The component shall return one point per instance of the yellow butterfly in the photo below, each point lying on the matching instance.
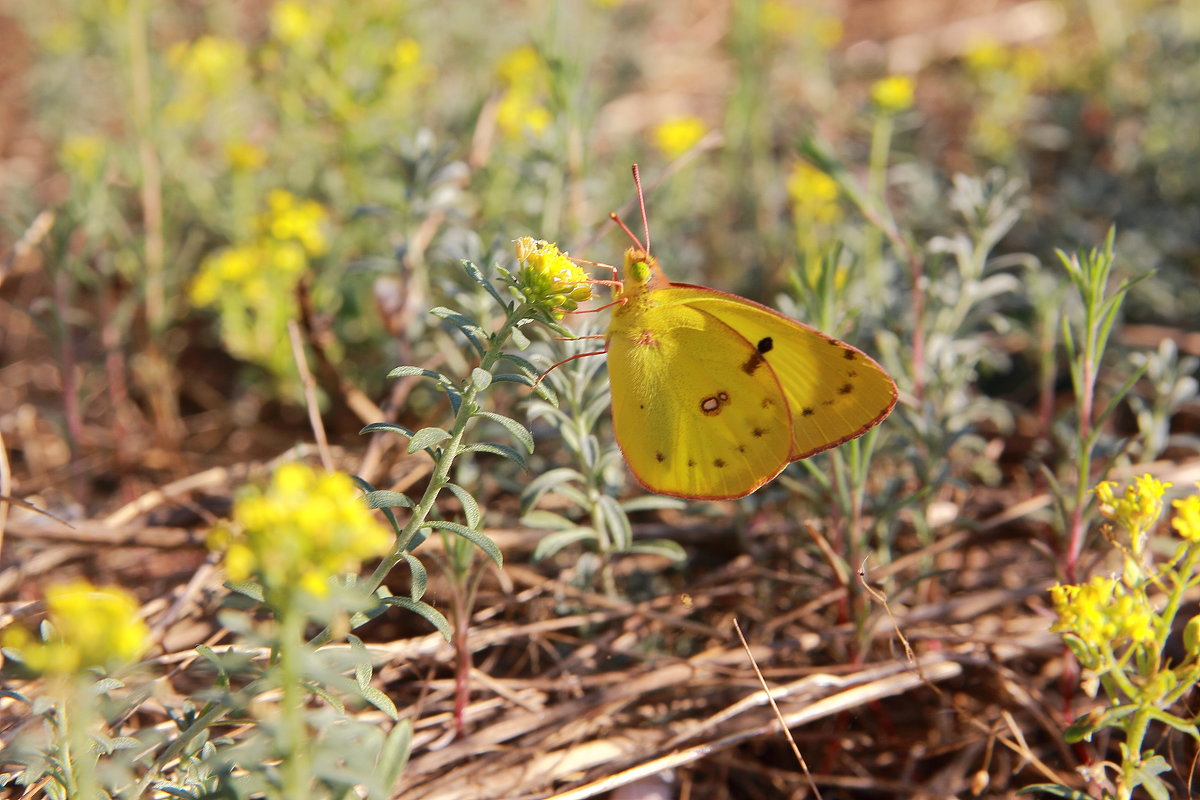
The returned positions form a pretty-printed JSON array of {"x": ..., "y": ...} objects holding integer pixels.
[{"x": 713, "y": 394}]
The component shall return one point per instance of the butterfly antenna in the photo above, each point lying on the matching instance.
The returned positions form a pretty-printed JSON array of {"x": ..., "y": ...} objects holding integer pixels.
[
  {"x": 613, "y": 216},
  {"x": 637, "y": 181}
]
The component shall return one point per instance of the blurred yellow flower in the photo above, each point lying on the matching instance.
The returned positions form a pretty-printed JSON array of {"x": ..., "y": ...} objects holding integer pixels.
[
  {"x": 82, "y": 155},
  {"x": 299, "y": 532},
  {"x": 210, "y": 60},
  {"x": 676, "y": 135},
  {"x": 1187, "y": 517},
  {"x": 523, "y": 67},
  {"x": 893, "y": 94},
  {"x": 90, "y": 627},
  {"x": 985, "y": 54},
  {"x": 518, "y": 114},
  {"x": 406, "y": 54},
  {"x": 780, "y": 19},
  {"x": 1028, "y": 64},
  {"x": 245, "y": 157},
  {"x": 814, "y": 195},
  {"x": 292, "y": 218},
  {"x": 291, "y": 22}
]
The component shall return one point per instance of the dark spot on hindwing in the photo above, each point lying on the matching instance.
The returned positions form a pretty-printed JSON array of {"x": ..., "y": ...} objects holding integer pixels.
[
  {"x": 765, "y": 345},
  {"x": 719, "y": 463},
  {"x": 711, "y": 406},
  {"x": 845, "y": 388},
  {"x": 659, "y": 457},
  {"x": 807, "y": 411}
]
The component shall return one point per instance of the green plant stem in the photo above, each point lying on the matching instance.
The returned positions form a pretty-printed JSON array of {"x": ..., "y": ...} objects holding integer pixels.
[
  {"x": 294, "y": 733},
  {"x": 881, "y": 145},
  {"x": 445, "y": 460}
]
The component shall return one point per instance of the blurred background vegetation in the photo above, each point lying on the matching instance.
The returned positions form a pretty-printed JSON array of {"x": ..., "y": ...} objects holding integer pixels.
[{"x": 205, "y": 172}]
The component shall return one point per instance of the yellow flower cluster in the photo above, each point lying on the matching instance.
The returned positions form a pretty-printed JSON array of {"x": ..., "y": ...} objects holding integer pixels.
[
  {"x": 290, "y": 232},
  {"x": 893, "y": 94},
  {"x": 814, "y": 195},
  {"x": 525, "y": 76},
  {"x": 1103, "y": 613},
  {"x": 1187, "y": 518},
  {"x": 1138, "y": 508},
  {"x": 676, "y": 135},
  {"x": 303, "y": 529},
  {"x": 82, "y": 155},
  {"x": 91, "y": 627},
  {"x": 549, "y": 279},
  {"x": 207, "y": 68}
]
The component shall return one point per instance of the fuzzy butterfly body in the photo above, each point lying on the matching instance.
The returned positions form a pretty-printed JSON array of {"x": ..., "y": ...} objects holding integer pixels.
[{"x": 713, "y": 395}]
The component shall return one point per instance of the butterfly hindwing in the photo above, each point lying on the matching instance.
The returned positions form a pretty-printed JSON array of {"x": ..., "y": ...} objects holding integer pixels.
[
  {"x": 697, "y": 410},
  {"x": 834, "y": 391}
]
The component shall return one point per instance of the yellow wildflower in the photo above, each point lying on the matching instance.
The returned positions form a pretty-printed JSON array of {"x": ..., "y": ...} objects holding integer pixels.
[
  {"x": 300, "y": 531},
  {"x": 893, "y": 94},
  {"x": 211, "y": 61},
  {"x": 985, "y": 55},
  {"x": 406, "y": 54},
  {"x": 781, "y": 20},
  {"x": 814, "y": 195},
  {"x": 676, "y": 135},
  {"x": 550, "y": 279},
  {"x": 1138, "y": 508},
  {"x": 523, "y": 67},
  {"x": 82, "y": 155},
  {"x": 1102, "y": 613},
  {"x": 1187, "y": 517},
  {"x": 90, "y": 627},
  {"x": 245, "y": 157},
  {"x": 519, "y": 113},
  {"x": 291, "y": 22},
  {"x": 292, "y": 218}
]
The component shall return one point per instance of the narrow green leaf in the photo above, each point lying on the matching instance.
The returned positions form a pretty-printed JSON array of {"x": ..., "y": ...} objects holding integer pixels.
[
  {"x": 386, "y": 427},
  {"x": 477, "y": 538},
  {"x": 420, "y": 578},
  {"x": 525, "y": 364},
  {"x": 423, "y": 609},
  {"x": 379, "y": 700},
  {"x": 618, "y": 523},
  {"x": 248, "y": 588},
  {"x": 426, "y": 438},
  {"x": 512, "y": 377},
  {"x": 1054, "y": 790},
  {"x": 393, "y": 756},
  {"x": 467, "y": 326},
  {"x": 514, "y": 428},
  {"x": 412, "y": 372},
  {"x": 386, "y": 498},
  {"x": 661, "y": 547},
  {"x": 550, "y": 544},
  {"x": 470, "y": 507},
  {"x": 519, "y": 339},
  {"x": 326, "y": 695},
  {"x": 551, "y": 480},
  {"x": 546, "y": 520},
  {"x": 497, "y": 450},
  {"x": 651, "y": 502},
  {"x": 477, "y": 275}
]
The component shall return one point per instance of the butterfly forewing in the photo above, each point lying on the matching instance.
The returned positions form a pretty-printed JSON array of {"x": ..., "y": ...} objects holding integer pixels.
[
  {"x": 696, "y": 410},
  {"x": 834, "y": 391}
]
